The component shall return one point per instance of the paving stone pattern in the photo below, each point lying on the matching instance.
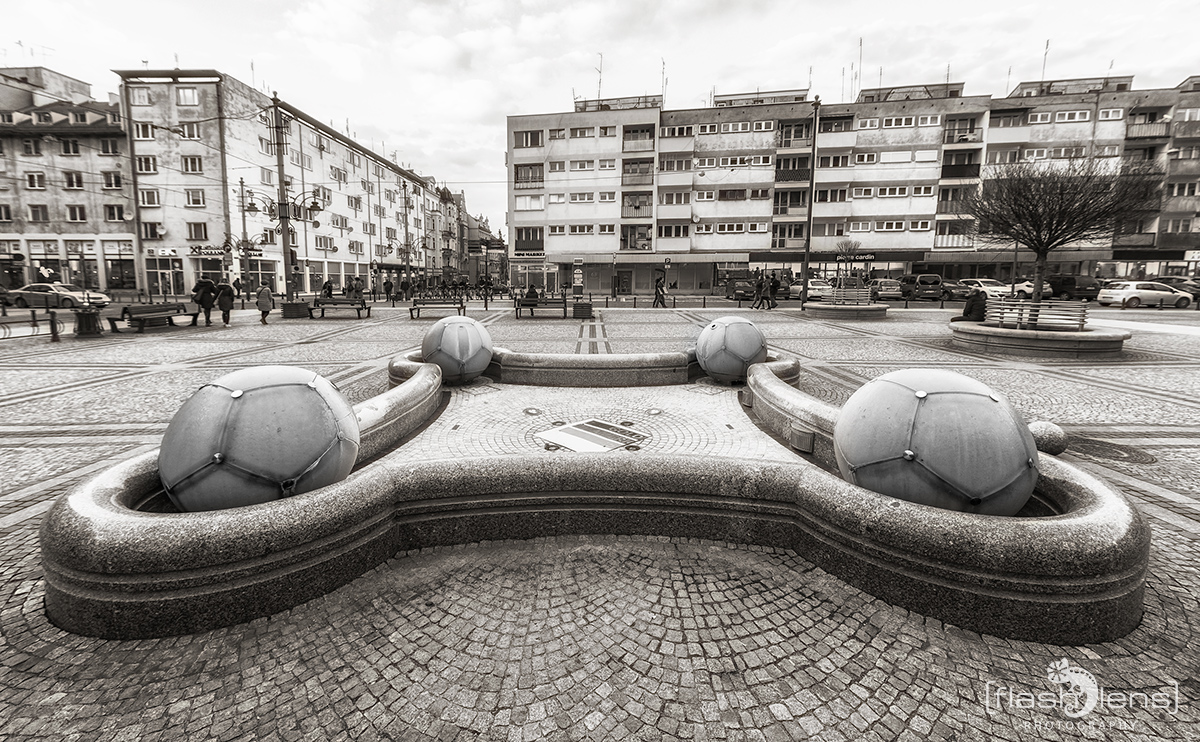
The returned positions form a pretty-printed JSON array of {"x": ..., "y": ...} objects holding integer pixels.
[{"x": 595, "y": 637}]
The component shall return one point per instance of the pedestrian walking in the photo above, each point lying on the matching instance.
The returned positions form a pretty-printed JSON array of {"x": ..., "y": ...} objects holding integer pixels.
[
  {"x": 225, "y": 297},
  {"x": 264, "y": 301},
  {"x": 358, "y": 288},
  {"x": 204, "y": 293},
  {"x": 327, "y": 289},
  {"x": 760, "y": 290},
  {"x": 660, "y": 293},
  {"x": 387, "y": 290},
  {"x": 773, "y": 289},
  {"x": 404, "y": 288}
]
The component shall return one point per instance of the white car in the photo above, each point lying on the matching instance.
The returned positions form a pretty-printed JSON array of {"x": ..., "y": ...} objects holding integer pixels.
[
  {"x": 65, "y": 295},
  {"x": 1136, "y": 293},
  {"x": 1025, "y": 289},
  {"x": 818, "y": 288},
  {"x": 990, "y": 286}
]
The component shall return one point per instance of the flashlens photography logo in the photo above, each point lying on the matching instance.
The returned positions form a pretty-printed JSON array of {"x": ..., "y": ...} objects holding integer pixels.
[{"x": 1075, "y": 693}]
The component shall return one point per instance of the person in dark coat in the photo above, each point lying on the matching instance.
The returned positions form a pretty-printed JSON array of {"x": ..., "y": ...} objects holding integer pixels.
[
  {"x": 225, "y": 297},
  {"x": 660, "y": 293},
  {"x": 405, "y": 286},
  {"x": 532, "y": 293},
  {"x": 760, "y": 292},
  {"x": 975, "y": 308},
  {"x": 357, "y": 292},
  {"x": 327, "y": 289},
  {"x": 204, "y": 293},
  {"x": 772, "y": 290},
  {"x": 264, "y": 301},
  {"x": 387, "y": 290}
]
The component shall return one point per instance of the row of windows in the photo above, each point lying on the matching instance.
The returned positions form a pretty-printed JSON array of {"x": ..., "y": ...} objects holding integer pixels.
[
  {"x": 74, "y": 213},
  {"x": 148, "y": 164},
  {"x": 1182, "y": 189},
  {"x": 69, "y": 147},
  {"x": 664, "y": 230},
  {"x": 72, "y": 180},
  {"x": 183, "y": 96},
  {"x": 149, "y": 197},
  {"x": 892, "y": 225}
]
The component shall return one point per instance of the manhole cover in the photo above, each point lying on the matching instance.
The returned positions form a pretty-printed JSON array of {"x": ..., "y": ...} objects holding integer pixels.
[
  {"x": 1096, "y": 449},
  {"x": 592, "y": 435}
]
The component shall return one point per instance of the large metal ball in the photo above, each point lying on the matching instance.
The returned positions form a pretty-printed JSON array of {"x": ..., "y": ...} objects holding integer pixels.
[
  {"x": 257, "y": 435},
  {"x": 937, "y": 438},
  {"x": 460, "y": 346},
  {"x": 728, "y": 346}
]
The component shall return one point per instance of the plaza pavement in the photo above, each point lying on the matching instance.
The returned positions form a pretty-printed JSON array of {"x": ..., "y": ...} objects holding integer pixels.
[{"x": 595, "y": 637}]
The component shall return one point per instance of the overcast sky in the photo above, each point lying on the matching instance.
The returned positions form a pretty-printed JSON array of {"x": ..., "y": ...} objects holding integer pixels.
[{"x": 433, "y": 80}]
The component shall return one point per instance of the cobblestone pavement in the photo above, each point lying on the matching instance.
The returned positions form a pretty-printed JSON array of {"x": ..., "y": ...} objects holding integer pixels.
[{"x": 595, "y": 637}]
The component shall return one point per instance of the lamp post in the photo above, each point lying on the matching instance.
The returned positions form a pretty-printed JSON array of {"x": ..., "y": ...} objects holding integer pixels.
[{"x": 812, "y": 182}]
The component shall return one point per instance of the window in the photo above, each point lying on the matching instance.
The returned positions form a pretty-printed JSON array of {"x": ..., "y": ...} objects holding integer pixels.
[
  {"x": 6, "y": 118},
  {"x": 1181, "y": 189},
  {"x": 114, "y": 213},
  {"x": 760, "y": 193},
  {"x": 732, "y": 194},
  {"x": 756, "y": 227},
  {"x": 1035, "y": 154},
  {"x": 706, "y": 129},
  {"x": 112, "y": 179},
  {"x": 557, "y": 229},
  {"x": 731, "y": 228},
  {"x": 152, "y": 231},
  {"x": 889, "y": 226},
  {"x": 675, "y": 131},
  {"x": 558, "y": 166},
  {"x": 582, "y": 198},
  {"x": 1183, "y": 114},
  {"x": 367, "y": 186},
  {"x": 830, "y": 195},
  {"x": 530, "y": 203},
  {"x": 143, "y": 131},
  {"x": 764, "y": 126},
  {"x": 1006, "y": 120},
  {"x": 5, "y": 213},
  {"x": 706, "y": 195},
  {"x": 324, "y": 243},
  {"x": 892, "y": 191},
  {"x": 606, "y": 229},
  {"x": 39, "y": 213},
  {"x": 581, "y": 132},
  {"x": 581, "y": 229},
  {"x": 267, "y": 176},
  {"x": 865, "y": 158},
  {"x": 527, "y": 139},
  {"x": 369, "y": 227},
  {"x": 109, "y": 147},
  {"x": 868, "y": 123},
  {"x": 831, "y": 125},
  {"x": 675, "y": 198},
  {"x": 76, "y": 214},
  {"x": 1169, "y": 225},
  {"x": 139, "y": 96},
  {"x": 608, "y": 131},
  {"x": 43, "y": 117},
  {"x": 354, "y": 202},
  {"x": 608, "y": 164},
  {"x": 1068, "y": 116},
  {"x": 608, "y": 196},
  {"x": 303, "y": 160},
  {"x": 1109, "y": 150},
  {"x": 35, "y": 181},
  {"x": 356, "y": 161},
  {"x": 1003, "y": 156},
  {"x": 860, "y": 226},
  {"x": 1112, "y": 114},
  {"x": 895, "y": 122},
  {"x": 70, "y": 146},
  {"x": 577, "y": 165},
  {"x": 703, "y": 162},
  {"x": 148, "y": 197},
  {"x": 1064, "y": 152},
  {"x": 833, "y": 161},
  {"x": 187, "y": 97},
  {"x": 730, "y": 127},
  {"x": 925, "y": 190},
  {"x": 736, "y": 161},
  {"x": 32, "y": 147},
  {"x": 760, "y": 160},
  {"x": 558, "y": 134},
  {"x": 673, "y": 230},
  {"x": 193, "y": 164},
  {"x": 865, "y": 192},
  {"x": 147, "y": 164},
  {"x": 932, "y": 120},
  {"x": 194, "y": 196},
  {"x": 704, "y": 229},
  {"x": 1039, "y": 118},
  {"x": 558, "y": 198},
  {"x": 530, "y": 175},
  {"x": 674, "y": 164},
  {"x": 73, "y": 180}
]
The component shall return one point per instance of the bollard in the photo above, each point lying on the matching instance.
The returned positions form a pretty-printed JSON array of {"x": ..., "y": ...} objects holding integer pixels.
[
  {"x": 33, "y": 318},
  {"x": 704, "y": 302},
  {"x": 53, "y": 327},
  {"x": 1160, "y": 304},
  {"x": 635, "y": 302},
  {"x": 606, "y": 302},
  {"x": 672, "y": 302}
]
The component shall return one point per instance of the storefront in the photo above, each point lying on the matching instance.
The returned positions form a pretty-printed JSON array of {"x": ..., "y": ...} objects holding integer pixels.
[
  {"x": 13, "y": 264},
  {"x": 120, "y": 269},
  {"x": 48, "y": 264},
  {"x": 164, "y": 272},
  {"x": 83, "y": 262}
]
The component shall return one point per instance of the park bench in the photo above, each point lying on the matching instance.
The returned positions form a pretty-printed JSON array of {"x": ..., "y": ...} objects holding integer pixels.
[
  {"x": 140, "y": 314},
  {"x": 345, "y": 302},
  {"x": 522, "y": 302},
  {"x": 456, "y": 303},
  {"x": 1025, "y": 314}
]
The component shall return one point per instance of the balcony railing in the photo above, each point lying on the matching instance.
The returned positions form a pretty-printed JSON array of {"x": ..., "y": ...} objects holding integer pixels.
[
  {"x": 1139, "y": 239},
  {"x": 953, "y": 240},
  {"x": 960, "y": 171},
  {"x": 1157, "y": 130},
  {"x": 637, "y": 212},
  {"x": 790, "y": 210},
  {"x": 1188, "y": 240},
  {"x": 529, "y": 183},
  {"x": 950, "y": 207},
  {"x": 791, "y": 176},
  {"x": 793, "y": 142},
  {"x": 962, "y": 136},
  {"x": 635, "y": 179},
  {"x": 637, "y": 145},
  {"x": 1187, "y": 129}
]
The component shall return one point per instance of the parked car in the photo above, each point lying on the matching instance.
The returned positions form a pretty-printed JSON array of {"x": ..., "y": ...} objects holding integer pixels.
[
  {"x": 885, "y": 288},
  {"x": 64, "y": 295},
  {"x": 1024, "y": 289},
  {"x": 990, "y": 286},
  {"x": 1136, "y": 293},
  {"x": 1070, "y": 288},
  {"x": 921, "y": 286},
  {"x": 739, "y": 289},
  {"x": 847, "y": 282},
  {"x": 1183, "y": 283},
  {"x": 955, "y": 290},
  {"x": 818, "y": 288}
]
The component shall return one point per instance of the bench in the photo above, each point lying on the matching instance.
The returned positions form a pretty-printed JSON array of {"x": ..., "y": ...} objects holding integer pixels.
[
  {"x": 333, "y": 302},
  {"x": 140, "y": 314},
  {"x": 522, "y": 302},
  {"x": 1025, "y": 314},
  {"x": 456, "y": 303}
]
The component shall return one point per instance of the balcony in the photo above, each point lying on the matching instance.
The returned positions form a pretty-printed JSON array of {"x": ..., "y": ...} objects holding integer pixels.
[
  {"x": 675, "y": 211},
  {"x": 1157, "y": 130},
  {"x": 962, "y": 136},
  {"x": 949, "y": 207},
  {"x": 1184, "y": 167},
  {"x": 1186, "y": 240},
  {"x": 1141, "y": 239},
  {"x": 953, "y": 240},
  {"x": 790, "y": 211},
  {"x": 520, "y": 184},
  {"x": 791, "y": 176},
  {"x": 637, "y": 179},
  {"x": 793, "y": 142},
  {"x": 1187, "y": 129},
  {"x": 637, "y": 145},
  {"x": 960, "y": 171},
  {"x": 637, "y": 212}
]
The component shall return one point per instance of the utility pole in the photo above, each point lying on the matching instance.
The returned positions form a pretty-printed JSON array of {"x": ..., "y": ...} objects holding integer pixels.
[
  {"x": 283, "y": 205},
  {"x": 244, "y": 245},
  {"x": 812, "y": 193}
]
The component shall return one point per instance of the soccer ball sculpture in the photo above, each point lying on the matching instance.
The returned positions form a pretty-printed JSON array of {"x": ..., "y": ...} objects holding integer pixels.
[
  {"x": 257, "y": 435},
  {"x": 460, "y": 346},
  {"x": 728, "y": 347},
  {"x": 937, "y": 438}
]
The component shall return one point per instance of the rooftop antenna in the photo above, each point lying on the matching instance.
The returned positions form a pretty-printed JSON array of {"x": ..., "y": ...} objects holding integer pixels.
[
  {"x": 860, "y": 67},
  {"x": 176, "y": 60},
  {"x": 253, "y": 82},
  {"x": 881, "y": 75},
  {"x": 1044, "y": 55},
  {"x": 1008, "y": 81},
  {"x": 599, "y": 75},
  {"x": 664, "y": 81},
  {"x": 810, "y": 77},
  {"x": 843, "y": 100},
  {"x": 145, "y": 64}
]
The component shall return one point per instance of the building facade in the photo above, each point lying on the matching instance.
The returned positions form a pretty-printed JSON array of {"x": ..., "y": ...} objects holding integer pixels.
[{"x": 629, "y": 191}]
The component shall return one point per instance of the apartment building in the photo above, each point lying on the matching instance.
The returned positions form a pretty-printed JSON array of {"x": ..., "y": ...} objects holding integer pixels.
[
  {"x": 627, "y": 191},
  {"x": 66, "y": 204}
]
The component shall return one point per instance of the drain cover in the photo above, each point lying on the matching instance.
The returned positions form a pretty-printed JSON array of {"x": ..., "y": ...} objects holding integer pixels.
[{"x": 592, "y": 435}]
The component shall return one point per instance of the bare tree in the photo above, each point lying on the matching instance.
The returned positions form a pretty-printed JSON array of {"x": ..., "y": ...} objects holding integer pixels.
[
  {"x": 847, "y": 249},
  {"x": 1048, "y": 204}
]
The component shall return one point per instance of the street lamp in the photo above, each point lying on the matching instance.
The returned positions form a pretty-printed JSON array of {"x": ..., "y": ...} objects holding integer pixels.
[{"x": 305, "y": 204}]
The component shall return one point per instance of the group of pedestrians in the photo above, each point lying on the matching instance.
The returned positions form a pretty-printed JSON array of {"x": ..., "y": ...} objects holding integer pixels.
[
  {"x": 207, "y": 294},
  {"x": 766, "y": 292}
]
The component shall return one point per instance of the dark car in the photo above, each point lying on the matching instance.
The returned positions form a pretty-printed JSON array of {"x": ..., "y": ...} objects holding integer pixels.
[
  {"x": 1070, "y": 288},
  {"x": 954, "y": 291},
  {"x": 739, "y": 288},
  {"x": 921, "y": 286}
]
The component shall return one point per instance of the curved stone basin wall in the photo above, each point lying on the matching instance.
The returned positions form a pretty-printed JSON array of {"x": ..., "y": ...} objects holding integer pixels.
[{"x": 114, "y": 572}]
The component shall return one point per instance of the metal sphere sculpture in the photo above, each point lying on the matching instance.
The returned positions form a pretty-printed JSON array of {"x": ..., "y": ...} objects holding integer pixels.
[
  {"x": 460, "y": 346},
  {"x": 728, "y": 346},
  {"x": 937, "y": 438},
  {"x": 257, "y": 435}
]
